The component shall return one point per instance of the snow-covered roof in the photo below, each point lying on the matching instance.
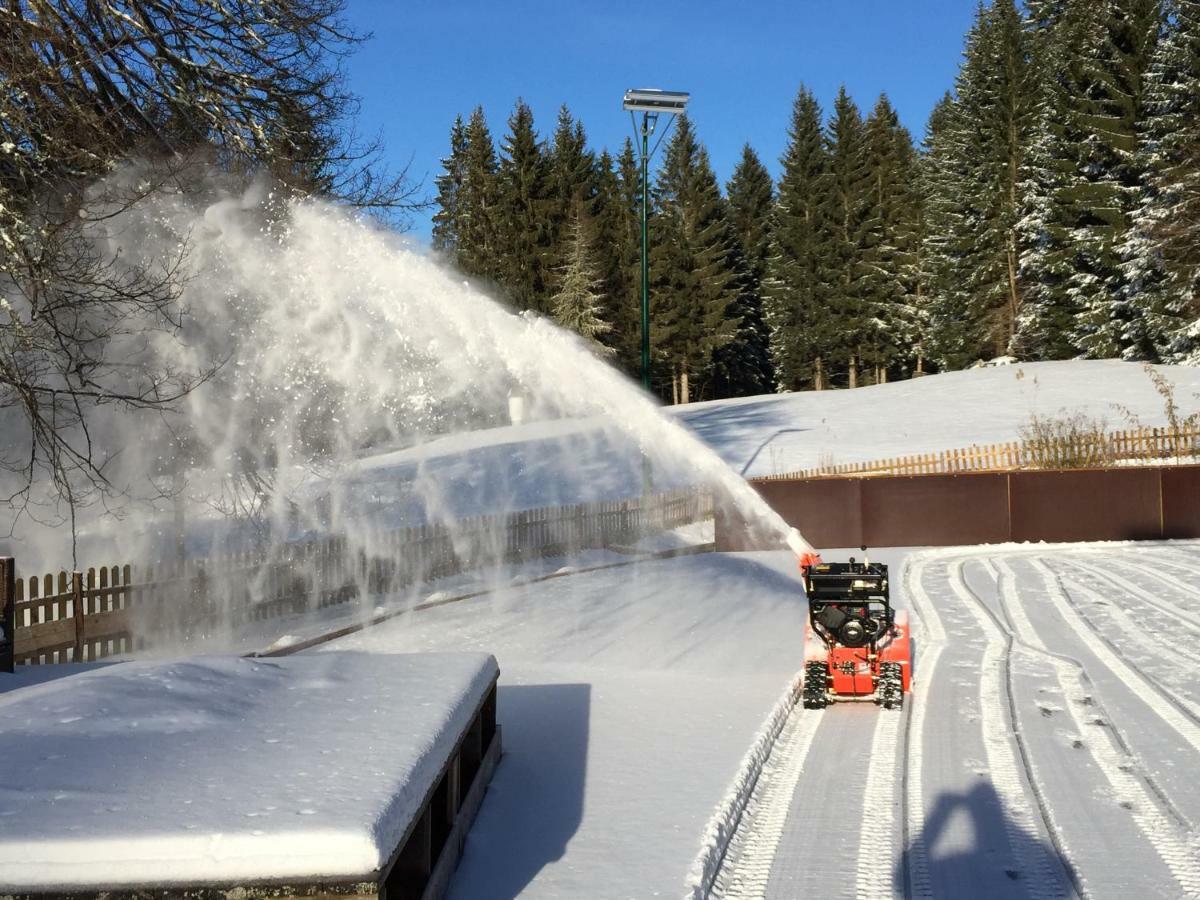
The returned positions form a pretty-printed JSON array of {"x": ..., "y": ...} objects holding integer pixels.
[{"x": 221, "y": 769}]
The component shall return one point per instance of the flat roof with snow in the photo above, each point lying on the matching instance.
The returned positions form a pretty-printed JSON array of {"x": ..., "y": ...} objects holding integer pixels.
[{"x": 226, "y": 770}]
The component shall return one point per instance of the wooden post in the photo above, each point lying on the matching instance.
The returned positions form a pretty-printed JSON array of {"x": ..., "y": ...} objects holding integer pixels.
[
  {"x": 78, "y": 612},
  {"x": 8, "y": 612}
]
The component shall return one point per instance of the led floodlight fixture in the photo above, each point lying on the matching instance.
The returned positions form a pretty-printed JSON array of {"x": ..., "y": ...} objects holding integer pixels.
[{"x": 653, "y": 100}]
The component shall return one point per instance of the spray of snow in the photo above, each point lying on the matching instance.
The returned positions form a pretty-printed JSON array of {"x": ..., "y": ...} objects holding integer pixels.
[{"x": 334, "y": 339}]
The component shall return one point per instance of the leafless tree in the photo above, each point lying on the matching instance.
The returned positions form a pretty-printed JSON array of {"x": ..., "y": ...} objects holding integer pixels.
[{"x": 245, "y": 86}]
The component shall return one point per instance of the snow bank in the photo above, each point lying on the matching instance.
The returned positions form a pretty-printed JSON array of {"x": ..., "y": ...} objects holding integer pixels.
[
  {"x": 725, "y": 820},
  {"x": 222, "y": 770}
]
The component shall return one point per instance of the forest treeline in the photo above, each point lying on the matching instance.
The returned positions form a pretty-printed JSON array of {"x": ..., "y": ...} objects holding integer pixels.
[{"x": 1050, "y": 211}]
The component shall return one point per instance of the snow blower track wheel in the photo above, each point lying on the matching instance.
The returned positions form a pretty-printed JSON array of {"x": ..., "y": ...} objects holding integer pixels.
[
  {"x": 889, "y": 691},
  {"x": 816, "y": 685}
]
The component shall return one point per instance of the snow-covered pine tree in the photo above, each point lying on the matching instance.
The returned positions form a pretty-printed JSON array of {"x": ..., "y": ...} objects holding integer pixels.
[
  {"x": 478, "y": 202},
  {"x": 891, "y": 260},
  {"x": 526, "y": 201},
  {"x": 446, "y": 220},
  {"x": 572, "y": 181},
  {"x": 578, "y": 304},
  {"x": 616, "y": 251},
  {"x": 1086, "y": 176},
  {"x": 743, "y": 366},
  {"x": 1162, "y": 248},
  {"x": 977, "y": 154},
  {"x": 692, "y": 270},
  {"x": 850, "y": 234},
  {"x": 798, "y": 321}
]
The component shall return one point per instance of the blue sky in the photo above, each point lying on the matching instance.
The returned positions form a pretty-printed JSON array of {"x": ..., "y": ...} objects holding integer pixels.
[{"x": 742, "y": 63}]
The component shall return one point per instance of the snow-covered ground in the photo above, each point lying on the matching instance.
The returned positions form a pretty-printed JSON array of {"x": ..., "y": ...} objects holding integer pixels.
[{"x": 1049, "y": 748}]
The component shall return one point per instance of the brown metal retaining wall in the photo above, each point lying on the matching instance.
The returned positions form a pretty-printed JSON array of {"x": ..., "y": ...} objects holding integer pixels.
[{"x": 1136, "y": 503}]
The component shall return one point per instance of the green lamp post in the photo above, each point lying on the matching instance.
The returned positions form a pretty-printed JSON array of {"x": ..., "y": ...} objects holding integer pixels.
[{"x": 651, "y": 103}]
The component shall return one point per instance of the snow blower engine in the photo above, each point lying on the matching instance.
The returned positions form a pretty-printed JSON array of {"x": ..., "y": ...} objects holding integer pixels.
[{"x": 866, "y": 652}]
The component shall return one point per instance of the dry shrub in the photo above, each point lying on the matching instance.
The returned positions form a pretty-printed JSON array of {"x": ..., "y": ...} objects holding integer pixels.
[
  {"x": 1181, "y": 429},
  {"x": 1066, "y": 441}
]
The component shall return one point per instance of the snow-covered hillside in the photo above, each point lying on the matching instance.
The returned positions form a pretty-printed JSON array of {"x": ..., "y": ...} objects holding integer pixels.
[{"x": 786, "y": 432}]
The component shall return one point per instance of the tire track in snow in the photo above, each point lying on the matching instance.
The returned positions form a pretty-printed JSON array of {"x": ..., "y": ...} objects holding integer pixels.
[
  {"x": 1161, "y": 648},
  {"x": 1175, "y": 849},
  {"x": 1190, "y": 621},
  {"x": 749, "y": 876},
  {"x": 1005, "y": 763},
  {"x": 874, "y": 881},
  {"x": 1167, "y": 710},
  {"x": 915, "y": 852}
]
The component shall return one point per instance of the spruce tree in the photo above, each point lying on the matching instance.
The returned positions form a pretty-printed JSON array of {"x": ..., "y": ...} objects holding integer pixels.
[
  {"x": 978, "y": 196},
  {"x": 892, "y": 257},
  {"x": 693, "y": 275},
  {"x": 446, "y": 221},
  {"x": 478, "y": 203},
  {"x": 1162, "y": 248},
  {"x": 578, "y": 304},
  {"x": 615, "y": 255},
  {"x": 743, "y": 367},
  {"x": 799, "y": 322},
  {"x": 1087, "y": 175},
  {"x": 851, "y": 233},
  {"x": 526, "y": 227},
  {"x": 950, "y": 332}
]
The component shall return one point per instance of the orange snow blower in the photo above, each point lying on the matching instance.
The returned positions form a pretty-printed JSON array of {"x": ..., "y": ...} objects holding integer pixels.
[{"x": 866, "y": 652}]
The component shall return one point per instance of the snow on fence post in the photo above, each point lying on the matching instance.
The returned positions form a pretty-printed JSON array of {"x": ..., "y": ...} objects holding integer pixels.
[{"x": 8, "y": 612}]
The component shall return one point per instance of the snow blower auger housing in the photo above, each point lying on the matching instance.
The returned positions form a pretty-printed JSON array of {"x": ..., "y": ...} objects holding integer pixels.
[{"x": 865, "y": 652}]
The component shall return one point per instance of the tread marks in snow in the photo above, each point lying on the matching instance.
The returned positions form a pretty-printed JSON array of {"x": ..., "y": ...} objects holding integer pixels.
[
  {"x": 915, "y": 860},
  {"x": 1045, "y": 877},
  {"x": 1175, "y": 716},
  {"x": 1177, "y": 614},
  {"x": 749, "y": 873},
  {"x": 1161, "y": 833}
]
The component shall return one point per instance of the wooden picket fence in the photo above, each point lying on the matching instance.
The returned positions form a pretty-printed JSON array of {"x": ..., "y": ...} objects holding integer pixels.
[
  {"x": 1146, "y": 445},
  {"x": 83, "y": 616}
]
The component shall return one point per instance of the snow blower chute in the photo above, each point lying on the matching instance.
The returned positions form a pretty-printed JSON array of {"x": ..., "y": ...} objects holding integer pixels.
[{"x": 866, "y": 652}]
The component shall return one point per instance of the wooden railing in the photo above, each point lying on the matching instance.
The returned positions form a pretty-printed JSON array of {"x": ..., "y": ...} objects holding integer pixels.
[
  {"x": 81, "y": 616},
  {"x": 1147, "y": 445}
]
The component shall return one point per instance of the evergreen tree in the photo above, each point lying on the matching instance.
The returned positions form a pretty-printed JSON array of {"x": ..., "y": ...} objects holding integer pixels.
[
  {"x": 694, "y": 280},
  {"x": 851, "y": 234},
  {"x": 573, "y": 182},
  {"x": 1162, "y": 248},
  {"x": 1087, "y": 170},
  {"x": 798, "y": 321},
  {"x": 743, "y": 367},
  {"x": 446, "y": 221},
  {"x": 526, "y": 203},
  {"x": 579, "y": 304},
  {"x": 478, "y": 203},
  {"x": 616, "y": 249},
  {"x": 978, "y": 197},
  {"x": 625, "y": 308},
  {"x": 572, "y": 168},
  {"x": 892, "y": 260},
  {"x": 950, "y": 331}
]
